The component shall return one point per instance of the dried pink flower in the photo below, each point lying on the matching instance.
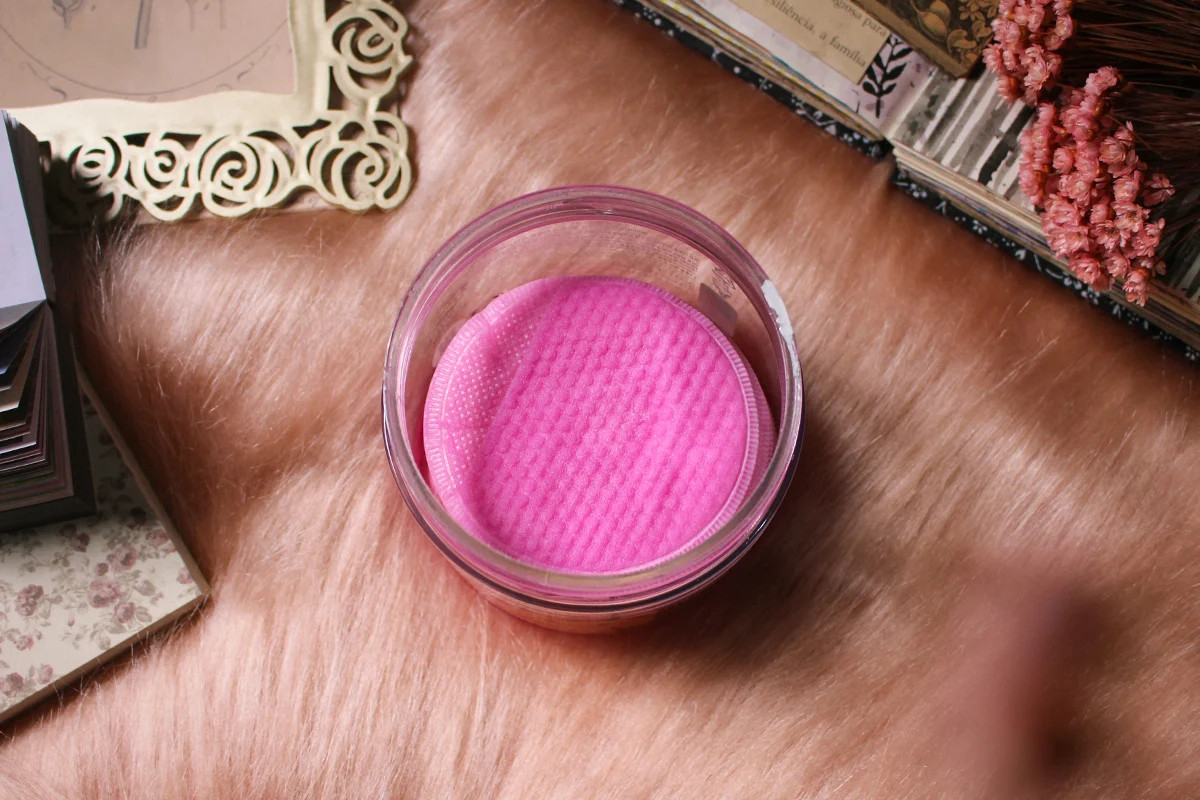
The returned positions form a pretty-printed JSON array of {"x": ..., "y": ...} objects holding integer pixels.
[
  {"x": 1137, "y": 287},
  {"x": 1078, "y": 186},
  {"x": 1009, "y": 88},
  {"x": 1127, "y": 187},
  {"x": 1100, "y": 212},
  {"x": 1062, "y": 213},
  {"x": 1105, "y": 234},
  {"x": 1078, "y": 162},
  {"x": 1131, "y": 163},
  {"x": 1008, "y": 33},
  {"x": 1157, "y": 190},
  {"x": 1033, "y": 183},
  {"x": 1113, "y": 150},
  {"x": 1064, "y": 29},
  {"x": 1117, "y": 264},
  {"x": 1064, "y": 158},
  {"x": 1037, "y": 72},
  {"x": 1129, "y": 217},
  {"x": 1011, "y": 58},
  {"x": 1087, "y": 160},
  {"x": 1102, "y": 80},
  {"x": 993, "y": 57},
  {"x": 1047, "y": 115},
  {"x": 1088, "y": 269},
  {"x": 1030, "y": 17},
  {"x": 1081, "y": 125},
  {"x": 1040, "y": 135},
  {"x": 1067, "y": 241},
  {"x": 1146, "y": 240}
]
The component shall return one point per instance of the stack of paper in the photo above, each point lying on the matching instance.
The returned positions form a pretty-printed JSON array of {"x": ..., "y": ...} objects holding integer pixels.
[{"x": 44, "y": 469}]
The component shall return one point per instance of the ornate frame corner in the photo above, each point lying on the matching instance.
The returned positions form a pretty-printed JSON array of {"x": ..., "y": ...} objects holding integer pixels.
[{"x": 232, "y": 153}]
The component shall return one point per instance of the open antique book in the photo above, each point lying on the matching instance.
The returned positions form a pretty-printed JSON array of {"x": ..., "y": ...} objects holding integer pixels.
[{"x": 954, "y": 140}]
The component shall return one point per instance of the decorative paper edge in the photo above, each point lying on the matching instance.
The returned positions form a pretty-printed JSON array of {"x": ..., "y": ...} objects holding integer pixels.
[{"x": 229, "y": 154}]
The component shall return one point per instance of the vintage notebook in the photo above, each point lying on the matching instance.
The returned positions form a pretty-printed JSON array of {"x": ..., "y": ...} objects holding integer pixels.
[
  {"x": 950, "y": 33},
  {"x": 856, "y": 110},
  {"x": 88, "y": 561},
  {"x": 955, "y": 142}
]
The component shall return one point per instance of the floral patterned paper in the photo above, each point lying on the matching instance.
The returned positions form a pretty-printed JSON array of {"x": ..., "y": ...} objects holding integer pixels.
[{"x": 72, "y": 593}]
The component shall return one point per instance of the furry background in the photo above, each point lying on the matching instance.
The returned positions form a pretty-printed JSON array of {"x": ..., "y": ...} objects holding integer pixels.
[{"x": 984, "y": 578}]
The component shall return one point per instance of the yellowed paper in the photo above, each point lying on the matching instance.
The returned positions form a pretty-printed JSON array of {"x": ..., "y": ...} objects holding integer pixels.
[
  {"x": 836, "y": 31},
  {"x": 54, "y": 51}
]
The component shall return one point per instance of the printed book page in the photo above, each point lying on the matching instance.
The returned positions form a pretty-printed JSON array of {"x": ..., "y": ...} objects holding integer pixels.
[
  {"x": 892, "y": 79},
  {"x": 835, "y": 31}
]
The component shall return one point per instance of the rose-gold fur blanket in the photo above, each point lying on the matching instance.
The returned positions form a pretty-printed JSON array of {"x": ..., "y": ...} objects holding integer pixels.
[{"x": 984, "y": 578}]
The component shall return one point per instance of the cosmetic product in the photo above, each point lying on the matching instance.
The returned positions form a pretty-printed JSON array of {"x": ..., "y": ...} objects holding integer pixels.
[
  {"x": 593, "y": 425},
  {"x": 592, "y": 404}
]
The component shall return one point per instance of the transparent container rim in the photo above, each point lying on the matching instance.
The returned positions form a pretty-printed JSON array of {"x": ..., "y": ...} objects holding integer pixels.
[{"x": 605, "y": 593}]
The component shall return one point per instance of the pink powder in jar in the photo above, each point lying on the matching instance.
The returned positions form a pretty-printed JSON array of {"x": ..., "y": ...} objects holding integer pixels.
[{"x": 594, "y": 425}]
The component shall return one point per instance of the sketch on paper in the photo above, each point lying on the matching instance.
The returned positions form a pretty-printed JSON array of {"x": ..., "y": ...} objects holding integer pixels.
[
  {"x": 156, "y": 50},
  {"x": 65, "y": 8},
  {"x": 142, "y": 34}
]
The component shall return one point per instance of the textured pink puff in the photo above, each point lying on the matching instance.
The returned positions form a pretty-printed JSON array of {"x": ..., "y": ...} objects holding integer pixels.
[
  {"x": 1145, "y": 242},
  {"x": 1041, "y": 69},
  {"x": 1029, "y": 16}
]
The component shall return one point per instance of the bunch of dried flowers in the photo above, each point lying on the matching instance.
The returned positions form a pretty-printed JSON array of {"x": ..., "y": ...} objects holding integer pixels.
[{"x": 1079, "y": 163}]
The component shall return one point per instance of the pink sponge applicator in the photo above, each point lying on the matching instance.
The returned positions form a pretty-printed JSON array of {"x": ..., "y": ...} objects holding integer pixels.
[{"x": 594, "y": 425}]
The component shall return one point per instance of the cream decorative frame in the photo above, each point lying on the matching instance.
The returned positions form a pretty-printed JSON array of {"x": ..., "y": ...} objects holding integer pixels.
[{"x": 233, "y": 153}]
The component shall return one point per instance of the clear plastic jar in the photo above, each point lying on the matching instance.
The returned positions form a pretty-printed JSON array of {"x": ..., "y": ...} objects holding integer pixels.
[{"x": 590, "y": 230}]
